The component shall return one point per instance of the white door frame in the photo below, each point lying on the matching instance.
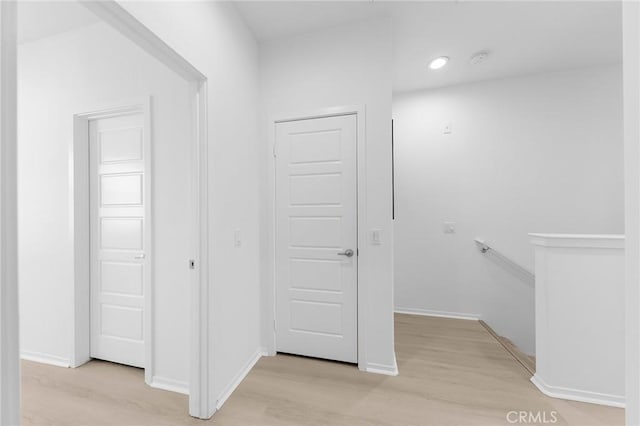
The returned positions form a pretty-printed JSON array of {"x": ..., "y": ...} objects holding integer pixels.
[
  {"x": 631, "y": 71},
  {"x": 270, "y": 294},
  {"x": 79, "y": 185},
  {"x": 200, "y": 359},
  {"x": 9, "y": 347}
]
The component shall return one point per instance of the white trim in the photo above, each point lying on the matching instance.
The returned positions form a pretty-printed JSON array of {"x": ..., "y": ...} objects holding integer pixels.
[
  {"x": 79, "y": 177},
  {"x": 577, "y": 394},
  {"x": 387, "y": 370},
  {"x": 79, "y": 234},
  {"x": 126, "y": 24},
  {"x": 440, "y": 314},
  {"x": 9, "y": 341},
  {"x": 631, "y": 85},
  {"x": 363, "y": 225},
  {"x": 43, "y": 358},
  {"x": 578, "y": 241},
  {"x": 244, "y": 371},
  {"x": 320, "y": 113},
  {"x": 200, "y": 403},
  {"x": 169, "y": 385},
  {"x": 360, "y": 112}
]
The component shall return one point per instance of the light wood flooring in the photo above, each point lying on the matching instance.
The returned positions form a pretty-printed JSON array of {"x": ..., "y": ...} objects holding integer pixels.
[{"x": 452, "y": 372}]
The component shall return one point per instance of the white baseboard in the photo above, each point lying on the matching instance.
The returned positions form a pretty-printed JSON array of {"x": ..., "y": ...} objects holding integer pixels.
[
  {"x": 226, "y": 393},
  {"x": 577, "y": 394},
  {"x": 170, "y": 385},
  {"x": 388, "y": 370},
  {"x": 45, "y": 359},
  {"x": 441, "y": 314}
]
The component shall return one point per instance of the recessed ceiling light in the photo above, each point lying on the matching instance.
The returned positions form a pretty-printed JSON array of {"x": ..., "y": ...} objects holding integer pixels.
[
  {"x": 479, "y": 57},
  {"x": 438, "y": 63}
]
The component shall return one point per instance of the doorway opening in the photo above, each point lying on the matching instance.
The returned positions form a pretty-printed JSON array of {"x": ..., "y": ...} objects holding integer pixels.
[
  {"x": 316, "y": 237},
  {"x": 113, "y": 294},
  {"x": 93, "y": 256},
  {"x": 317, "y": 181}
]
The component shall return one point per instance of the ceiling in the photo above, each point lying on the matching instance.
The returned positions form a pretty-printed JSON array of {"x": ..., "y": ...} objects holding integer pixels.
[
  {"x": 521, "y": 37},
  {"x": 271, "y": 20},
  {"x": 40, "y": 19}
]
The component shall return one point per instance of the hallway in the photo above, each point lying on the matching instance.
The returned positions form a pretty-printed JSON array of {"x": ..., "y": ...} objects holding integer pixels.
[{"x": 452, "y": 372}]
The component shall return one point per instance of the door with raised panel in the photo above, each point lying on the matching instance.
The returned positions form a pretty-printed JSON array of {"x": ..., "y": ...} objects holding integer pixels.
[
  {"x": 316, "y": 238},
  {"x": 119, "y": 238}
]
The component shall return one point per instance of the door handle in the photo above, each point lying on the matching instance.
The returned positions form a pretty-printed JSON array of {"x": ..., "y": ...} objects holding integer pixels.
[
  {"x": 140, "y": 256},
  {"x": 347, "y": 252}
]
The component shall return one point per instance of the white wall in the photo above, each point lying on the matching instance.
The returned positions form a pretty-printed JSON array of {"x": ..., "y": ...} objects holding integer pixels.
[
  {"x": 540, "y": 153},
  {"x": 73, "y": 73},
  {"x": 214, "y": 39},
  {"x": 342, "y": 66},
  {"x": 580, "y": 317}
]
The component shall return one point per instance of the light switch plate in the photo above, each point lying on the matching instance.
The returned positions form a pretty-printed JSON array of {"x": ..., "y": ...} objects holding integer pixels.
[
  {"x": 447, "y": 129},
  {"x": 237, "y": 238},
  {"x": 376, "y": 237}
]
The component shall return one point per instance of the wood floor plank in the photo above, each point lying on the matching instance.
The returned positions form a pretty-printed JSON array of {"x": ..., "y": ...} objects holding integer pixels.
[{"x": 452, "y": 372}]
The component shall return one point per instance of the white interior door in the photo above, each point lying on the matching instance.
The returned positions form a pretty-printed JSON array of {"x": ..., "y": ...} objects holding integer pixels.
[
  {"x": 316, "y": 238},
  {"x": 120, "y": 237}
]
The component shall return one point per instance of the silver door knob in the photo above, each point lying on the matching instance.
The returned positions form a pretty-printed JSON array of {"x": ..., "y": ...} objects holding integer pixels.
[
  {"x": 140, "y": 256},
  {"x": 347, "y": 252}
]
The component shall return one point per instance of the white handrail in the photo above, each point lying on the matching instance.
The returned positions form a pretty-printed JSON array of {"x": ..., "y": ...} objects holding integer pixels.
[{"x": 523, "y": 272}]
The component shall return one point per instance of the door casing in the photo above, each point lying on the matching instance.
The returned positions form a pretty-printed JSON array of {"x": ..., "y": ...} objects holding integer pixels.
[
  {"x": 9, "y": 341},
  {"x": 79, "y": 164},
  {"x": 201, "y": 404},
  {"x": 269, "y": 301}
]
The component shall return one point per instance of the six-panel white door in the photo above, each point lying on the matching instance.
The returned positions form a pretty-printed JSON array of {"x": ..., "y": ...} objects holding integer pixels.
[
  {"x": 316, "y": 230},
  {"x": 119, "y": 238}
]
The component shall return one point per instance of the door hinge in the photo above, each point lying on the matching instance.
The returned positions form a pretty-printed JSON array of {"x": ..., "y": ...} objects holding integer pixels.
[
  {"x": 274, "y": 150},
  {"x": 274, "y": 325},
  {"x": 192, "y": 264},
  {"x": 357, "y": 252}
]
